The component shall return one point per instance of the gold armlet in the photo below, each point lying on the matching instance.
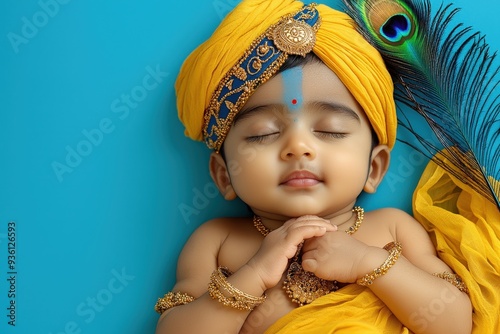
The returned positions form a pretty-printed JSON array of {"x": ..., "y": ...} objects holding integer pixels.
[
  {"x": 394, "y": 249},
  {"x": 172, "y": 299},
  {"x": 237, "y": 299},
  {"x": 454, "y": 279}
]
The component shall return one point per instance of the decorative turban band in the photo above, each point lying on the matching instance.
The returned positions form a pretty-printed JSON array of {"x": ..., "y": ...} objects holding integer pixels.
[{"x": 252, "y": 43}]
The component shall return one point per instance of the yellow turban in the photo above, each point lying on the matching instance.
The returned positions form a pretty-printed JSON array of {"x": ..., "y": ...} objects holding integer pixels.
[{"x": 358, "y": 65}]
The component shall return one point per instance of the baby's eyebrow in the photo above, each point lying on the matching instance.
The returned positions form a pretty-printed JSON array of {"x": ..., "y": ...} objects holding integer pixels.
[
  {"x": 246, "y": 113},
  {"x": 337, "y": 108},
  {"x": 281, "y": 109}
]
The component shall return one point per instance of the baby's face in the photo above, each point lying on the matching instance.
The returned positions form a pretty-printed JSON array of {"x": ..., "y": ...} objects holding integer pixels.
[{"x": 301, "y": 145}]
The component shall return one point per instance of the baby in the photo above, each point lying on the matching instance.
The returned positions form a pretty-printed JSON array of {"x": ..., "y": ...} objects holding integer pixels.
[{"x": 299, "y": 112}]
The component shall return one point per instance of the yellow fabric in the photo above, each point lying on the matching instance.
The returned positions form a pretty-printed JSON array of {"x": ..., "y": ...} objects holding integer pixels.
[
  {"x": 465, "y": 228},
  {"x": 352, "y": 309},
  {"x": 338, "y": 44}
]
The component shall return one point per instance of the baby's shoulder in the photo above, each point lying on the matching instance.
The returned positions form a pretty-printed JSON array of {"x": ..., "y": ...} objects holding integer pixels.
[
  {"x": 388, "y": 215},
  {"x": 393, "y": 219},
  {"x": 231, "y": 241},
  {"x": 398, "y": 221},
  {"x": 219, "y": 229},
  {"x": 202, "y": 253},
  {"x": 210, "y": 237}
]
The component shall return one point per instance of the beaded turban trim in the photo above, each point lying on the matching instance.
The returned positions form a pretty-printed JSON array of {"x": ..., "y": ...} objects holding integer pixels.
[{"x": 294, "y": 34}]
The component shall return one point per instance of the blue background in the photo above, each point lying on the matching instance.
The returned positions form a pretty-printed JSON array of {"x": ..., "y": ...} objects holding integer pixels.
[{"x": 95, "y": 171}]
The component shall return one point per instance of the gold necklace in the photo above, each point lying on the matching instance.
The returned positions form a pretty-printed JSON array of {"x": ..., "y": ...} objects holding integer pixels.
[{"x": 301, "y": 286}]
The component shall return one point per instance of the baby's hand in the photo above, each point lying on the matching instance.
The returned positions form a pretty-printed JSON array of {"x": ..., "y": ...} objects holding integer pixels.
[
  {"x": 280, "y": 245},
  {"x": 337, "y": 256}
]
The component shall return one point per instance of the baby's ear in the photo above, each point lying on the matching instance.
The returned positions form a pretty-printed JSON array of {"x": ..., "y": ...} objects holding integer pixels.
[
  {"x": 379, "y": 164},
  {"x": 220, "y": 175}
]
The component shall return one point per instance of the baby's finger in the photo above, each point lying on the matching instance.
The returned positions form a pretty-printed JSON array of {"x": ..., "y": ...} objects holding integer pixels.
[
  {"x": 310, "y": 264},
  {"x": 297, "y": 234},
  {"x": 310, "y": 220}
]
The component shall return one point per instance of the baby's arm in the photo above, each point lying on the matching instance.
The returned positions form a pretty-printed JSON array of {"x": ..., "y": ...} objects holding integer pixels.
[
  {"x": 199, "y": 259},
  {"x": 423, "y": 302},
  {"x": 196, "y": 263}
]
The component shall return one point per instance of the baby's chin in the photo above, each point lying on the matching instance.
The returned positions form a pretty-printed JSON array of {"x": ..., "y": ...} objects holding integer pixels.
[
  {"x": 309, "y": 209},
  {"x": 305, "y": 206},
  {"x": 311, "y": 214},
  {"x": 317, "y": 213}
]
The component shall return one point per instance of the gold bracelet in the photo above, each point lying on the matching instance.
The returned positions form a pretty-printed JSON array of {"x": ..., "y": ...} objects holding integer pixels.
[
  {"x": 172, "y": 299},
  {"x": 394, "y": 249},
  {"x": 238, "y": 299},
  {"x": 454, "y": 279}
]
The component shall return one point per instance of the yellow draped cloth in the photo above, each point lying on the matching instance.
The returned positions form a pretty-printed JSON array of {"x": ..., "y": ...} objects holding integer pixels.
[
  {"x": 465, "y": 228},
  {"x": 352, "y": 309}
]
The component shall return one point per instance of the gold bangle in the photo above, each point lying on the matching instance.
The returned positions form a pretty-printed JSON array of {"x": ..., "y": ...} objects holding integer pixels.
[
  {"x": 394, "y": 249},
  {"x": 172, "y": 299},
  {"x": 237, "y": 299},
  {"x": 454, "y": 279}
]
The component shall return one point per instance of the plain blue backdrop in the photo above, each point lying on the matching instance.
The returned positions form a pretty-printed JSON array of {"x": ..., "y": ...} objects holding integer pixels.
[{"x": 97, "y": 180}]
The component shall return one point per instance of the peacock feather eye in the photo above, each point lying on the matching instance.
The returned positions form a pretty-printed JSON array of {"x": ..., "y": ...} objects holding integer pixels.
[
  {"x": 392, "y": 21},
  {"x": 397, "y": 29}
]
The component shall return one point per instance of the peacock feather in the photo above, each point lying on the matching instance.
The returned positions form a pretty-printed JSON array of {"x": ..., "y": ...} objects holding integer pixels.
[{"x": 447, "y": 74}]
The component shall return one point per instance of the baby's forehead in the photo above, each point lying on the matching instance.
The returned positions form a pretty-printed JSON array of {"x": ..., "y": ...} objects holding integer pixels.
[{"x": 309, "y": 83}]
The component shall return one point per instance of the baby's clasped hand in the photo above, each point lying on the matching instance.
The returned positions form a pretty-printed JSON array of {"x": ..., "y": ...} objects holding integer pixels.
[{"x": 280, "y": 245}]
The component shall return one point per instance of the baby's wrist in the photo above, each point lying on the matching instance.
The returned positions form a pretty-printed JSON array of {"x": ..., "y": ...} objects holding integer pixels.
[
  {"x": 373, "y": 258},
  {"x": 227, "y": 294},
  {"x": 394, "y": 250},
  {"x": 251, "y": 275}
]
